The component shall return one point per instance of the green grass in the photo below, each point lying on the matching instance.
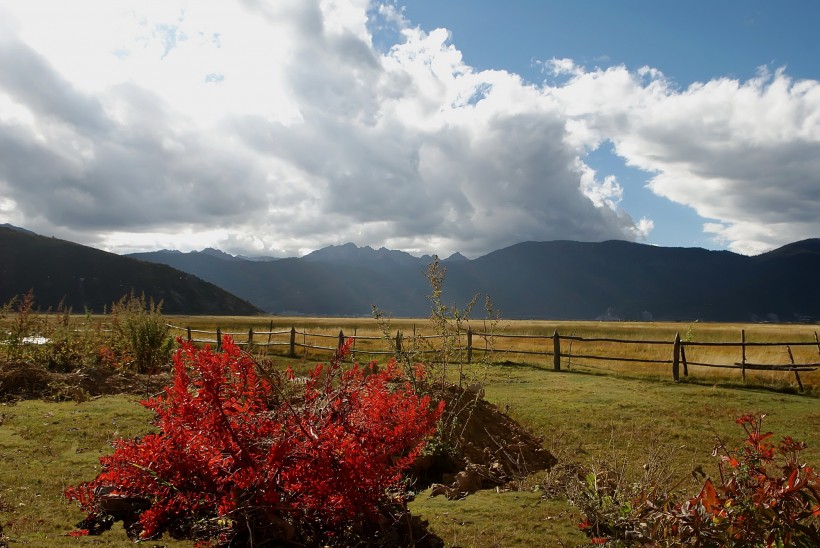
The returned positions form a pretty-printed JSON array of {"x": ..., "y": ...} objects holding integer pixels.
[
  {"x": 45, "y": 447},
  {"x": 488, "y": 518},
  {"x": 592, "y": 418}
]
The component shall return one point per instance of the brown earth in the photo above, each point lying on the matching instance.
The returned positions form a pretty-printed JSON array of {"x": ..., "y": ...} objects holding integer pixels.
[
  {"x": 493, "y": 449},
  {"x": 22, "y": 380}
]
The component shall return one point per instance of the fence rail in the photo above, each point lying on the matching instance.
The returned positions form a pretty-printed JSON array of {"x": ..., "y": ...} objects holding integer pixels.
[{"x": 676, "y": 358}]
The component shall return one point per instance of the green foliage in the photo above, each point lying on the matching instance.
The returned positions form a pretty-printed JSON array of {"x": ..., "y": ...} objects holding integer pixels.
[
  {"x": 141, "y": 339},
  {"x": 690, "y": 332},
  {"x": 58, "y": 340},
  {"x": 21, "y": 326},
  {"x": 73, "y": 340}
]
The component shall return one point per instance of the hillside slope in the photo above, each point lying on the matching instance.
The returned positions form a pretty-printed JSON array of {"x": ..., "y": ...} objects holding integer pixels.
[{"x": 85, "y": 278}]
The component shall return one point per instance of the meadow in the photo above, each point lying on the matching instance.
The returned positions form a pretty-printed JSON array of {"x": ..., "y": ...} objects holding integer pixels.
[
  {"x": 616, "y": 415},
  {"x": 529, "y": 341}
]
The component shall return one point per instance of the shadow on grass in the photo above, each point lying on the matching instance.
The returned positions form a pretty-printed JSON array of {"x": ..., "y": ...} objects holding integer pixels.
[
  {"x": 591, "y": 370},
  {"x": 810, "y": 392}
]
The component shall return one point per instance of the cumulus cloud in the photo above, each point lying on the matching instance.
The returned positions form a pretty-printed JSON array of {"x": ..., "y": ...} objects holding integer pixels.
[
  {"x": 283, "y": 127},
  {"x": 745, "y": 155}
]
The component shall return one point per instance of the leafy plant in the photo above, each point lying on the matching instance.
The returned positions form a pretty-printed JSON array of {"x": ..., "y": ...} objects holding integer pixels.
[
  {"x": 759, "y": 500},
  {"x": 141, "y": 337},
  {"x": 23, "y": 325},
  {"x": 614, "y": 506},
  {"x": 72, "y": 339},
  {"x": 238, "y": 460}
]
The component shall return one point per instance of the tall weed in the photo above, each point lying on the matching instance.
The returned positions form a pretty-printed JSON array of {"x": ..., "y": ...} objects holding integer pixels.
[
  {"x": 22, "y": 326},
  {"x": 442, "y": 363},
  {"x": 141, "y": 338}
]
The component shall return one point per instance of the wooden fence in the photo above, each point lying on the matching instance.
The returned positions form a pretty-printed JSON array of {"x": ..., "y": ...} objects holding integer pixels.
[
  {"x": 265, "y": 339},
  {"x": 552, "y": 348}
]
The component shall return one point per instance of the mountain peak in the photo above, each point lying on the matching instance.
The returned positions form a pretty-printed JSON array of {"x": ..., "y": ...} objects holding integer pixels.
[
  {"x": 455, "y": 257},
  {"x": 219, "y": 254}
]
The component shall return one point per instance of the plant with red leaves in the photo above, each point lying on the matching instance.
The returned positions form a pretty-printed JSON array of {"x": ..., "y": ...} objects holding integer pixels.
[
  {"x": 236, "y": 461},
  {"x": 758, "y": 501}
]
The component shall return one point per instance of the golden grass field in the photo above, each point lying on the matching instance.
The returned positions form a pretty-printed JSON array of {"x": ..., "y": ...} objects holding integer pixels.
[{"x": 511, "y": 348}]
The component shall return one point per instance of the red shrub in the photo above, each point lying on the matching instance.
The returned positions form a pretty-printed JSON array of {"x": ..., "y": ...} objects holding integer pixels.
[
  {"x": 235, "y": 457},
  {"x": 758, "y": 501}
]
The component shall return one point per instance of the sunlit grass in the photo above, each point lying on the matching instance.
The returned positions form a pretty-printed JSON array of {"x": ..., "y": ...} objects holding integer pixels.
[
  {"x": 588, "y": 411},
  {"x": 621, "y": 421},
  {"x": 542, "y": 331},
  {"x": 44, "y": 448}
]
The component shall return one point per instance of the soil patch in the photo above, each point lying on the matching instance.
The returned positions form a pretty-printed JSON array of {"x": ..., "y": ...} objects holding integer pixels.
[
  {"x": 22, "y": 380},
  {"x": 494, "y": 450}
]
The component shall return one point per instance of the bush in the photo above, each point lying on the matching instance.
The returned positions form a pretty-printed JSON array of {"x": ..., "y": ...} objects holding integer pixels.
[
  {"x": 239, "y": 461},
  {"x": 757, "y": 501},
  {"x": 142, "y": 341},
  {"x": 22, "y": 327},
  {"x": 55, "y": 339}
]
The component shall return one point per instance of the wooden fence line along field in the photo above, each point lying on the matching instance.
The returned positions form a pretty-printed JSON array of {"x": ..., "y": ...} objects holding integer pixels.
[
  {"x": 670, "y": 353},
  {"x": 292, "y": 342}
]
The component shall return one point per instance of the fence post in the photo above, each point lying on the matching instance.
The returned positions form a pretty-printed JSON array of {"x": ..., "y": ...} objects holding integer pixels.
[
  {"x": 743, "y": 354},
  {"x": 556, "y": 349},
  {"x": 250, "y": 338},
  {"x": 270, "y": 334},
  {"x": 398, "y": 342},
  {"x": 796, "y": 374},
  {"x": 469, "y": 345},
  {"x": 189, "y": 333},
  {"x": 353, "y": 350},
  {"x": 676, "y": 358},
  {"x": 218, "y": 339},
  {"x": 292, "y": 349},
  {"x": 341, "y": 340}
]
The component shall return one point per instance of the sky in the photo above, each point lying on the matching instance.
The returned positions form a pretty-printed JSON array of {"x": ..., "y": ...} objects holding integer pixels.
[{"x": 430, "y": 126}]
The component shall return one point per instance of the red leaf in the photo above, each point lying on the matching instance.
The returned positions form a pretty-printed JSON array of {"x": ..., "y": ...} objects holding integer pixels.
[{"x": 708, "y": 496}]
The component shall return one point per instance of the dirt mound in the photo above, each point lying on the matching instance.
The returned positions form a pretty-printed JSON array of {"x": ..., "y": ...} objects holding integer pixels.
[
  {"x": 22, "y": 380},
  {"x": 492, "y": 436},
  {"x": 494, "y": 450}
]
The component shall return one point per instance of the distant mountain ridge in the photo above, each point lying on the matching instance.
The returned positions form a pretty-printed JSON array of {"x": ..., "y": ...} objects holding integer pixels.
[
  {"x": 84, "y": 278},
  {"x": 614, "y": 280}
]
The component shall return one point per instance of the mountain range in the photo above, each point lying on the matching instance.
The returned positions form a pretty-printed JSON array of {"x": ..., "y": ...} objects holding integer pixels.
[{"x": 613, "y": 280}]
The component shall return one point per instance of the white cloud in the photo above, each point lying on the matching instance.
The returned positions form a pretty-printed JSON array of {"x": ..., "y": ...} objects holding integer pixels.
[
  {"x": 279, "y": 127},
  {"x": 746, "y": 154}
]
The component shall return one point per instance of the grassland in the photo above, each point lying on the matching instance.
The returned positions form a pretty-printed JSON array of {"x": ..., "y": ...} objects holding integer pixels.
[
  {"x": 520, "y": 350},
  {"x": 582, "y": 414}
]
